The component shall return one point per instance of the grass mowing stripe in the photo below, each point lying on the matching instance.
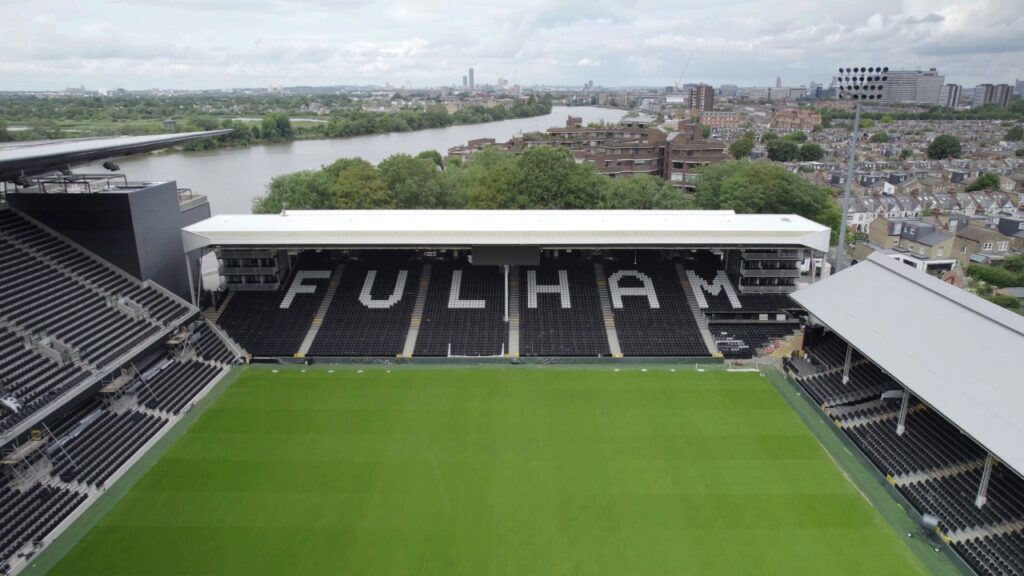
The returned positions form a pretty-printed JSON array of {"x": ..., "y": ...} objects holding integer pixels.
[{"x": 515, "y": 470}]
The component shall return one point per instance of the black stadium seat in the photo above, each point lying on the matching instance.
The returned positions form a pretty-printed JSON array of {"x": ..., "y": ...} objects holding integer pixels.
[
  {"x": 465, "y": 317},
  {"x": 547, "y": 327}
]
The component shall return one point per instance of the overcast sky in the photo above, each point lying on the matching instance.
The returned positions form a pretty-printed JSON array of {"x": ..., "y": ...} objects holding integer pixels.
[{"x": 53, "y": 44}]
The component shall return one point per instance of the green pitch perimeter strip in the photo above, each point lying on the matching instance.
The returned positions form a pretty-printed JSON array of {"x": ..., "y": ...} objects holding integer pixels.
[{"x": 488, "y": 470}]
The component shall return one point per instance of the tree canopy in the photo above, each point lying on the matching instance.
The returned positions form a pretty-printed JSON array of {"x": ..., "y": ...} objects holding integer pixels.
[
  {"x": 1015, "y": 134},
  {"x": 783, "y": 150},
  {"x": 759, "y": 187},
  {"x": 987, "y": 181},
  {"x": 879, "y": 138},
  {"x": 741, "y": 148},
  {"x": 944, "y": 146},
  {"x": 811, "y": 152}
]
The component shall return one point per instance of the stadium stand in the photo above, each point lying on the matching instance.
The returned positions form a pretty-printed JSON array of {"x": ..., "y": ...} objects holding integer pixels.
[
  {"x": 721, "y": 293},
  {"x": 370, "y": 311},
  {"x": 743, "y": 340},
  {"x": 996, "y": 554},
  {"x": 30, "y": 515},
  {"x": 272, "y": 323},
  {"x": 464, "y": 312},
  {"x": 652, "y": 317},
  {"x": 95, "y": 452},
  {"x": 866, "y": 382},
  {"x": 551, "y": 326}
]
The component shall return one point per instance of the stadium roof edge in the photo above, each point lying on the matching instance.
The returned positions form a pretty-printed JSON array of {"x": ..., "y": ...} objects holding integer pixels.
[
  {"x": 544, "y": 228},
  {"x": 957, "y": 352},
  {"x": 42, "y": 156}
]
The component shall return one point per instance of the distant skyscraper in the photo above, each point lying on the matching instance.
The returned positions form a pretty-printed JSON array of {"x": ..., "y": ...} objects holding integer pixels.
[
  {"x": 912, "y": 87},
  {"x": 998, "y": 94},
  {"x": 950, "y": 95},
  {"x": 702, "y": 98},
  {"x": 778, "y": 81},
  {"x": 465, "y": 81},
  {"x": 1018, "y": 89},
  {"x": 472, "y": 83}
]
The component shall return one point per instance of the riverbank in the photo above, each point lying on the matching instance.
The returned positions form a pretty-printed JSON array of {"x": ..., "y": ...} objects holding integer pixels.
[{"x": 232, "y": 177}]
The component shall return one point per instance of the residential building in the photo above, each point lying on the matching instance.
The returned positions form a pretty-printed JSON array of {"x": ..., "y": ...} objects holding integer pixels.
[
  {"x": 912, "y": 87},
  {"x": 921, "y": 244},
  {"x": 950, "y": 95},
  {"x": 978, "y": 243},
  {"x": 720, "y": 119},
  {"x": 998, "y": 94},
  {"x": 702, "y": 98},
  {"x": 795, "y": 119},
  {"x": 472, "y": 82}
]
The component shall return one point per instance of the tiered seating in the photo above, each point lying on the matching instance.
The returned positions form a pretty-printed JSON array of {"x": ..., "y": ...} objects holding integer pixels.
[
  {"x": 707, "y": 266},
  {"x": 104, "y": 446},
  {"x": 468, "y": 330},
  {"x": 211, "y": 347},
  {"x": 669, "y": 329},
  {"x": 866, "y": 382},
  {"x": 998, "y": 555},
  {"x": 30, "y": 378},
  {"x": 928, "y": 443},
  {"x": 551, "y": 330},
  {"x": 742, "y": 340},
  {"x": 44, "y": 300},
  {"x": 829, "y": 351},
  {"x": 352, "y": 328},
  {"x": 31, "y": 515},
  {"x": 258, "y": 323},
  {"x": 951, "y": 499},
  {"x": 176, "y": 385}
]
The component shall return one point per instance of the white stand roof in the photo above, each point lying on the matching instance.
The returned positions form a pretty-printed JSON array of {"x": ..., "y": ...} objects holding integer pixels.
[
  {"x": 545, "y": 228},
  {"x": 957, "y": 352}
]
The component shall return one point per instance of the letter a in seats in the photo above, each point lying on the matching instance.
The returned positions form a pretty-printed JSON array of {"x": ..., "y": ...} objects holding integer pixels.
[
  {"x": 619, "y": 291},
  {"x": 298, "y": 287},
  {"x": 366, "y": 296}
]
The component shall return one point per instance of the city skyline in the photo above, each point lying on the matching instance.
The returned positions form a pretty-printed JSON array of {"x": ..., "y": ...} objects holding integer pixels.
[{"x": 192, "y": 44}]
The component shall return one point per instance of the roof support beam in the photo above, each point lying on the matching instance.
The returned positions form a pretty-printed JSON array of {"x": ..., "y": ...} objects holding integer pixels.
[
  {"x": 901, "y": 424},
  {"x": 846, "y": 365},
  {"x": 986, "y": 475}
]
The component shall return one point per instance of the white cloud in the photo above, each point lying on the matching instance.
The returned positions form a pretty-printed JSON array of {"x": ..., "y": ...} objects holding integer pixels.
[{"x": 218, "y": 43}]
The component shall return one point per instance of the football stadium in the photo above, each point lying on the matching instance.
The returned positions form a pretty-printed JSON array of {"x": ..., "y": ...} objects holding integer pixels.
[{"x": 482, "y": 392}]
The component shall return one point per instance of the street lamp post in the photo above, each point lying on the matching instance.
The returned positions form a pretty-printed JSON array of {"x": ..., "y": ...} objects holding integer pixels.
[{"x": 856, "y": 84}]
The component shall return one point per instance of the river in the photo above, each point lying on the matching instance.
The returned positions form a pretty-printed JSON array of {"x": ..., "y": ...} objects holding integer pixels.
[{"x": 232, "y": 177}]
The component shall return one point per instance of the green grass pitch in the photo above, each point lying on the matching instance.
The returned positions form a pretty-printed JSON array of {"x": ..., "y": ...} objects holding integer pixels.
[{"x": 513, "y": 471}]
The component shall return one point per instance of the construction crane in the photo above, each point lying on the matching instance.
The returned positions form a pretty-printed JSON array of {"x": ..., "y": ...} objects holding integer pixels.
[{"x": 679, "y": 87}]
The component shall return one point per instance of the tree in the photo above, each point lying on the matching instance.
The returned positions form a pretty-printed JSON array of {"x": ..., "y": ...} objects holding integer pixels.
[
  {"x": 550, "y": 178},
  {"x": 705, "y": 131},
  {"x": 905, "y": 153},
  {"x": 1015, "y": 134},
  {"x": 741, "y": 148},
  {"x": 759, "y": 187},
  {"x": 5, "y": 136},
  {"x": 811, "y": 152},
  {"x": 783, "y": 151},
  {"x": 943, "y": 146},
  {"x": 412, "y": 182},
  {"x": 309, "y": 190},
  {"x": 886, "y": 119},
  {"x": 434, "y": 156},
  {"x": 276, "y": 127},
  {"x": 769, "y": 136},
  {"x": 796, "y": 137},
  {"x": 987, "y": 181},
  {"x": 879, "y": 138},
  {"x": 1019, "y": 152},
  {"x": 867, "y": 123},
  {"x": 359, "y": 185}
]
